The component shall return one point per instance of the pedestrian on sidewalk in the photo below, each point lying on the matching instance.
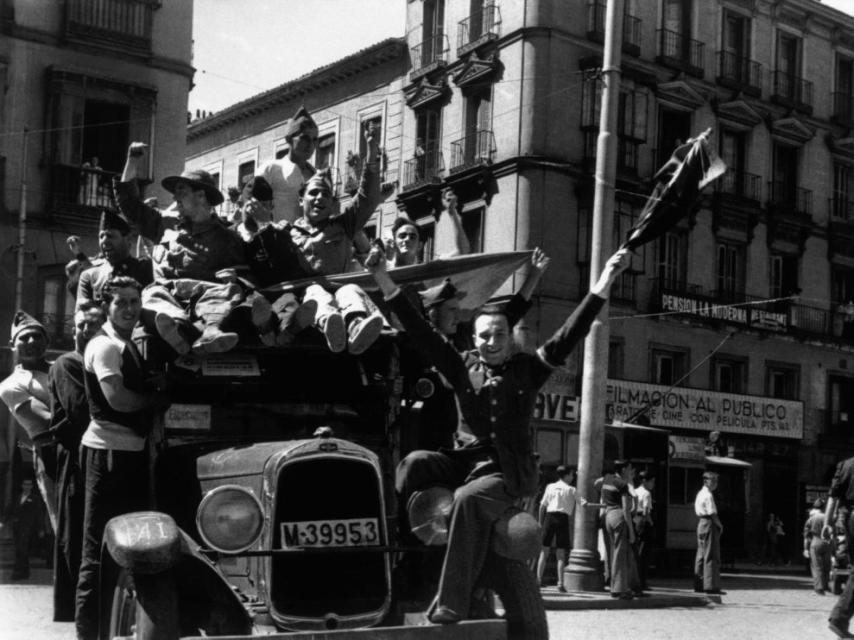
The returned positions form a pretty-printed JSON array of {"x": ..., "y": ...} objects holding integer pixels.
[
  {"x": 816, "y": 548},
  {"x": 619, "y": 529},
  {"x": 557, "y": 508},
  {"x": 707, "y": 564},
  {"x": 644, "y": 526},
  {"x": 841, "y": 498}
]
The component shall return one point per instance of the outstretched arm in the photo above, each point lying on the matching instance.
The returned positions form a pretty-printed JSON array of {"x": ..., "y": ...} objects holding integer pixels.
[
  {"x": 539, "y": 264},
  {"x": 431, "y": 345},
  {"x": 367, "y": 198},
  {"x": 147, "y": 219},
  {"x": 461, "y": 241}
]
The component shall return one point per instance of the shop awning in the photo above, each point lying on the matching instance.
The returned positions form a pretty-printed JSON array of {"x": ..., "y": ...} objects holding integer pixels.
[
  {"x": 728, "y": 462},
  {"x": 618, "y": 424}
]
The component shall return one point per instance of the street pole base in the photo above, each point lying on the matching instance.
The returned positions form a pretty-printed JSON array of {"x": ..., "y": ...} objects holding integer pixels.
[{"x": 584, "y": 571}]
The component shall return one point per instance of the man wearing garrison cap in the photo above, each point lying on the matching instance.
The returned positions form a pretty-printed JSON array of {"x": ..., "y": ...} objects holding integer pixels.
[
  {"x": 26, "y": 393},
  {"x": 114, "y": 240},
  {"x": 286, "y": 175}
]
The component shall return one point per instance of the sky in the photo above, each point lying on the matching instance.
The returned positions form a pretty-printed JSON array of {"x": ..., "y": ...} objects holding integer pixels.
[{"x": 244, "y": 47}]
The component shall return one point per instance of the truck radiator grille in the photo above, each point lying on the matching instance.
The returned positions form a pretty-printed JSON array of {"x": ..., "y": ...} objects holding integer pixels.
[{"x": 343, "y": 584}]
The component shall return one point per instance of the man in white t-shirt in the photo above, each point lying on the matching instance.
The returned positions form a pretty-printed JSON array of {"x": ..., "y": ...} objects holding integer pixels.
[
  {"x": 644, "y": 523},
  {"x": 287, "y": 175},
  {"x": 25, "y": 392},
  {"x": 113, "y": 454},
  {"x": 557, "y": 508}
]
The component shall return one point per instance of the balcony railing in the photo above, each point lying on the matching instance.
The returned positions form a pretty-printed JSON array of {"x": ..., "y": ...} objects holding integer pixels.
[
  {"x": 843, "y": 107},
  {"x": 740, "y": 71},
  {"x": 81, "y": 191},
  {"x": 480, "y": 25},
  {"x": 125, "y": 23},
  {"x": 841, "y": 209},
  {"x": 788, "y": 198},
  {"x": 740, "y": 184},
  {"x": 427, "y": 165},
  {"x": 678, "y": 50},
  {"x": 791, "y": 90},
  {"x": 433, "y": 51},
  {"x": 475, "y": 149},
  {"x": 596, "y": 27}
]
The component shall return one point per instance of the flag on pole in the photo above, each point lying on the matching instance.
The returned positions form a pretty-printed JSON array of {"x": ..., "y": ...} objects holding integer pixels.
[{"x": 692, "y": 166}]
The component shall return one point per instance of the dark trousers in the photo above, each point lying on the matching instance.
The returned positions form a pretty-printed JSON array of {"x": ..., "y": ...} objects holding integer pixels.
[
  {"x": 478, "y": 504},
  {"x": 844, "y": 607},
  {"x": 707, "y": 563},
  {"x": 620, "y": 551},
  {"x": 116, "y": 482},
  {"x": 68, "y": 544},
  {"x": 819, "y": 563},
  {"x": 643, "y": 546},
  {"x": 25, "y": 526}
]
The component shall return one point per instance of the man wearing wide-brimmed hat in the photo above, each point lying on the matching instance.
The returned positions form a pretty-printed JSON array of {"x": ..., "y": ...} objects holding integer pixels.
[
  {"x": 114, "y": 240},
  {"x": 189, "y": 251},
  {"x": 287, "y": 175}
]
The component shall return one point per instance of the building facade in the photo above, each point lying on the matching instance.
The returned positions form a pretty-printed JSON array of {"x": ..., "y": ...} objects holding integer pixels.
[
  {"x": 738, "y": 320},
  {"x": 84, "y": 77}
]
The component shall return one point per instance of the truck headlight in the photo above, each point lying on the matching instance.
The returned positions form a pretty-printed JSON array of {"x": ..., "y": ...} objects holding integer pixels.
[
  {"x": 429, "y": 514},
  {"x": 230, "y": 519}
]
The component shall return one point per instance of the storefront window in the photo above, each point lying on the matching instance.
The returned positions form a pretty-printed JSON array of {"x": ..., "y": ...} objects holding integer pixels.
[{"x": 684, "y": 484}]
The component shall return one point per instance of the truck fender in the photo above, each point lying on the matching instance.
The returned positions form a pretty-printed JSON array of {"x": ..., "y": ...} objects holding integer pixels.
[{"x": 151, "y": 547}]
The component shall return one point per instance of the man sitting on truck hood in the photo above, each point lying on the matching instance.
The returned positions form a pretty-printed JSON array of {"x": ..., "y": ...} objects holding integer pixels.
[{"x": 496, "y": 389}]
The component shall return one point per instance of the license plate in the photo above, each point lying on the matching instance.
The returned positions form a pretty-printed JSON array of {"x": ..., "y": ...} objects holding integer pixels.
[{"x": 356, "y": 532}]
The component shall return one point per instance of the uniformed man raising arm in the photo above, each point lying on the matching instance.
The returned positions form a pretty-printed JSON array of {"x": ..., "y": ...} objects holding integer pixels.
[{"x": 496, "y": 388}]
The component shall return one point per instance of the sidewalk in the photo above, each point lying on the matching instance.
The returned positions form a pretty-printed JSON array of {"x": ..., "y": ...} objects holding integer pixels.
[{"x": 671, "y": 591}]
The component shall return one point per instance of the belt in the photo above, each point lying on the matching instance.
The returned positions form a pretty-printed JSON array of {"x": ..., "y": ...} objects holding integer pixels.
[{"x": 705, "y": 517}]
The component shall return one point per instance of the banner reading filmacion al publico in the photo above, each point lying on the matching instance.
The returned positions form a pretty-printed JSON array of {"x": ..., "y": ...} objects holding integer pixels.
[{"x": 703, "y": 410}]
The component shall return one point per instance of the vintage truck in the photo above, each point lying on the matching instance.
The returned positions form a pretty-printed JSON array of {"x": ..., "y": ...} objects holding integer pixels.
[{"x": 272, "y": 476}]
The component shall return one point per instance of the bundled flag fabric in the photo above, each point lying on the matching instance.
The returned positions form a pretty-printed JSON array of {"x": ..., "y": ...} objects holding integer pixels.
[{"x": 692, "y": 166}]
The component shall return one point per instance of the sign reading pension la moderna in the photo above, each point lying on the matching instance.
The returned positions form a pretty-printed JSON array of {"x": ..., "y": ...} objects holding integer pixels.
[{"x": 703, "y": 410}]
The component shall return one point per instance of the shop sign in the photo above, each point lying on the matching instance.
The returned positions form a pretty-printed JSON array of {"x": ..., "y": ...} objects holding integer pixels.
[
  {"x": 555, "y": 400},
  {"x": 702, "y": 410},
  {"x": 687, "y": 448},
  {"x": 711, "y": 309}
]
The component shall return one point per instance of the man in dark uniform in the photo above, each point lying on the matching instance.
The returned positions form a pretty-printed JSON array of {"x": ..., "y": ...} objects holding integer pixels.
[
  {"x": 494, "y": 463},
  {"x": 69, "y": 419},
  {"x": 840, "y": 503},
  {"x": 114, "y": 240}
]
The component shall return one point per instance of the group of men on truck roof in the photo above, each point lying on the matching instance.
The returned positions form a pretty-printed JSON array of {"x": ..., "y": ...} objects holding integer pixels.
[{"x": 201, "y": 291}]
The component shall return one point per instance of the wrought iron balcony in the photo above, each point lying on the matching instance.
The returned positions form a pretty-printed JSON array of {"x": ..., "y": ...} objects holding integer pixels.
[
  {"x": 843, "y": 107},
  {"x": 677, "y": 50},
  {"x": 478, "y": 27},
  {"x": 119, "y": 23},
  {"x": 80, "y": 192},
  {"x": 791, "y": 90},
  {"x": 475, "y": 149},
  {"x": 739, "y": 72},
  {"x": 740, "y": 184},
  {"x": 596, "y": 28},
  {"x": 427, "y": 166},
  {"x": 430, "y": 54},
  {"x": 787, "y": 198}
]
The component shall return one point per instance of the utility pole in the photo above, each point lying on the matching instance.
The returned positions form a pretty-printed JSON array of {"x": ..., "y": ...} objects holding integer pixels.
[{"x": 584, "y": 572}]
